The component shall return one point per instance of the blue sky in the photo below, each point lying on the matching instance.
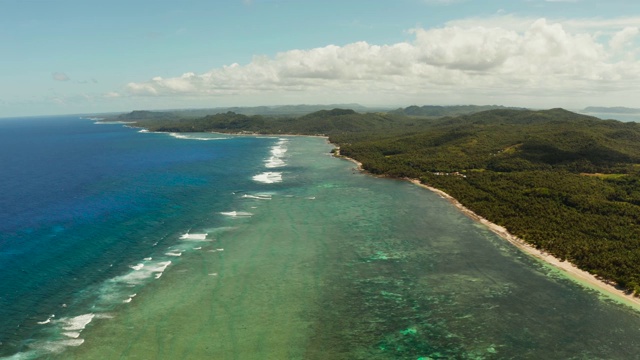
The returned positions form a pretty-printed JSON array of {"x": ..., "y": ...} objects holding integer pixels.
[{"x": 71, "y": 56}]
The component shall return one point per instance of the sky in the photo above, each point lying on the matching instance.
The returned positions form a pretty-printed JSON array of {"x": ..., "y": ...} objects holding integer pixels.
[{"x": 86, "y": 56}]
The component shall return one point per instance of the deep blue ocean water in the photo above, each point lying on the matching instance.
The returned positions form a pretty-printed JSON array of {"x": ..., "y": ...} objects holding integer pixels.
[{"x": 81, "y": 202}]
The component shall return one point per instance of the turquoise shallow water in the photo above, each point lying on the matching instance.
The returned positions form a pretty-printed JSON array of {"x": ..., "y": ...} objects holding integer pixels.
[{"x": 310, "y": 259}]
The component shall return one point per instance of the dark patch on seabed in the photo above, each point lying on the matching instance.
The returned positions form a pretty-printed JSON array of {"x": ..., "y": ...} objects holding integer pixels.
[{"x": 415, "y": 279}]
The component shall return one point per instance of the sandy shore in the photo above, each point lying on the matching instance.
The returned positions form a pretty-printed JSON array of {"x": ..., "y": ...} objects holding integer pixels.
[
  {"x": 607, "y": 288},
  {"x": 337, "y": 154},
  {"x": 566, "y": 267}
]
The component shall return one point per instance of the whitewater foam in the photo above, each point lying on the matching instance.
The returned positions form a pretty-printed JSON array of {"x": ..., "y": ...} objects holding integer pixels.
[
  {"x": 190, "y": 137},
  {"x": 99, "y": 122},
  {"x": 274, "y": 162},
  {"x": 257, "y": 197},
  {"x": 268, "y": 177},
  {"x": 194, "y": 237},
  {"x": 74, "y": 325},
  {"x": 161, "y": 268},
  {"x": 137, "y": 267},
  {"x": 277, "y": 153},
  {"x": 48, "y": 320},
  {"x": 235, "y": 213},
  {"x": 57, "y": 347}
]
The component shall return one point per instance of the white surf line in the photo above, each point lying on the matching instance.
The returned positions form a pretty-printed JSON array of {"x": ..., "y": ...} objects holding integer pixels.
[{"x": 268, "y": 177}]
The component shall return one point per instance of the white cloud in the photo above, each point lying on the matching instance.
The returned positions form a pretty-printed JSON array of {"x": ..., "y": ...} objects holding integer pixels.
[
  {"x": 59, "y": 76},
  {"x": 505, "y": 59},
  {"x": 112, "y": 94},
  {"x": 595, "y": 26},
  {"x": 623, "y": 38}
]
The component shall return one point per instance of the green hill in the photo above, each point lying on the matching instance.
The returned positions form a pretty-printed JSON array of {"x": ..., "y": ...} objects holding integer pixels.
[{"x": 438, "y": 111}]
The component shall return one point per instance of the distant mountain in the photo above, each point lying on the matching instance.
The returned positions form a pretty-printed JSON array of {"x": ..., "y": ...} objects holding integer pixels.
[
  {"x": 325, "y": 122},
  {"x": 611, "y": 110},
  {"x": 455, "y": 110},
  {"x": 145, "y": 115},
  {"x": 272, "y": 111}
]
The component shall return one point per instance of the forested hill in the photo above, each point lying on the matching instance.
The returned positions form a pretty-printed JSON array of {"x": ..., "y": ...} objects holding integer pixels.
[
  {"x": 566, "y": 183},
  {"x": 438, "y": 111},
  {"x": 504, "y": 141},
  {"x": 323, "y": 122}
]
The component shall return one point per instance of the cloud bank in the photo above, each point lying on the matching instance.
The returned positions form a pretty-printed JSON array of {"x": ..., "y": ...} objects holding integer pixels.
[{"x": 506, "y": 57}]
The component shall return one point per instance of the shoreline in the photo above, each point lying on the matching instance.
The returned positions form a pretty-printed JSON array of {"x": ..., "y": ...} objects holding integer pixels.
[
  {"x": 337, "y": 154},
  {"x": 576, "y": 274},
  {"x": 570, "y": 270}
]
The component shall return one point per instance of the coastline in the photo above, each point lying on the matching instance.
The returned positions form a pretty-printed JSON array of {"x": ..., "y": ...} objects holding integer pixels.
[
  {"x": 567, "y": 268},
  {"x": 337, "y": 154},
  {"x": 583, "y": 277}
]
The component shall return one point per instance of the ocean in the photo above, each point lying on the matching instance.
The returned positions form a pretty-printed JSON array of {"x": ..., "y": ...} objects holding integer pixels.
[
  {"x": 613, "y": 116},
  {"x": 116, "y": 243}
]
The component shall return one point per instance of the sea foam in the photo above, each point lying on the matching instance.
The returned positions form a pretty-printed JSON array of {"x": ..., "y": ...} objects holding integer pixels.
[
  {"x": 74, "y": 325},
  {"x": 277, "y": 153},
  {"x": 57, "y": 347},
  {"x": 268, "y": 177},
  {"x": 47, "y": 321},
  {"x": 137, "y": 267},
  {"x": 257, "y": 197},
  {"x": 191, "y": 137},
  {"x": 194, "y": 237},
  {"x": 236, "y": 213}
]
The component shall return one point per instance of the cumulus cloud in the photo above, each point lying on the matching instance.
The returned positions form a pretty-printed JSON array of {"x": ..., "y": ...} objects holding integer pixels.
[
  {"x": 594, "y": 26},
  {"x": 623, "y": 38},
  {"x": 542, "y": 57},
  {"x": 59, "y": 76}
]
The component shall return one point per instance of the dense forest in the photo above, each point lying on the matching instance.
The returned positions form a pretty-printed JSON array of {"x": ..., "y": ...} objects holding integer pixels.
[
  {"x": 566, "y": 183},
  {"x": 437, "y": 111}
]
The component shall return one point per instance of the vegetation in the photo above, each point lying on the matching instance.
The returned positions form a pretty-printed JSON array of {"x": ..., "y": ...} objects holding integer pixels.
[
  {"x": 568, "y": 184},
  {"x": 435, "y": 110}
]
